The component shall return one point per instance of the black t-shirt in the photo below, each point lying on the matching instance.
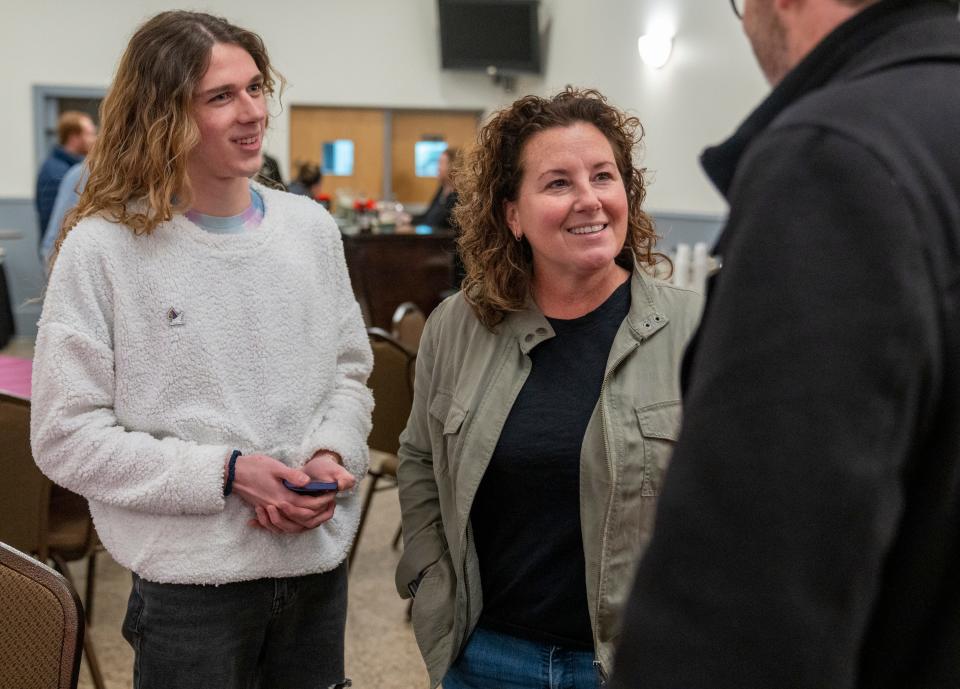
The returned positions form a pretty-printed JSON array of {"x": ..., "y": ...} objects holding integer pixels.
[{"x": 526, "y": 514}]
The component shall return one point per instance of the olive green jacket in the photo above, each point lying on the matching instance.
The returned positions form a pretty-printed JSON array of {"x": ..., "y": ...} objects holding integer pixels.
[{"x": 467, "y": 379}]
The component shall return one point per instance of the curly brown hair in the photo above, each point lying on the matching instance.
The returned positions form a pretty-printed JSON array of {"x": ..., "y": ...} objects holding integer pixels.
[
  {"x": 498, "y": 268},
  {"x": 147, "y": 127}
]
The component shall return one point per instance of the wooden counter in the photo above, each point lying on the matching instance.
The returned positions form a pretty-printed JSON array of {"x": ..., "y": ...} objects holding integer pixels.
[{"x": 389, "y": 269}]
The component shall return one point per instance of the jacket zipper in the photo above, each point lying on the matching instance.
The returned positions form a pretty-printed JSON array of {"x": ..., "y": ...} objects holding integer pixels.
[
  {"x": 468, "y": 538},
  {"x": 466, "y": 588},
  {"x": 600, "y": 671},
  {"x": 606, "y": 518}
]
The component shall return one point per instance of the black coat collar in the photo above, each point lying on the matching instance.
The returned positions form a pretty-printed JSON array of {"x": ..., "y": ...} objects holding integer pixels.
[{"x": 855, "y": 48}]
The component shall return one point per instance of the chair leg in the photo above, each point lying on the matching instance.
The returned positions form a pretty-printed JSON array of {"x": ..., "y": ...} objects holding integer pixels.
[
  {"x": 397, "y": 536},
  {"x": 92, "y": 663},
  {"x": 363, "y": 518},
  {"x": 88, "y": 595}
]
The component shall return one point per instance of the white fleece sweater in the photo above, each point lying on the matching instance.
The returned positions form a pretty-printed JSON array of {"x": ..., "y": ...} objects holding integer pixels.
[{"x": 157, "y": 355}]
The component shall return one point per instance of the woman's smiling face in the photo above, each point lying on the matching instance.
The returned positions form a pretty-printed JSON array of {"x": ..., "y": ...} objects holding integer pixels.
[{"x": 572, "y": 204}]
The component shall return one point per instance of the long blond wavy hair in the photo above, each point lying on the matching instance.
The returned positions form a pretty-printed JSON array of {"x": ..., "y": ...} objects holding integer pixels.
[
  {"x": 499, "y": 268},
  {"x": 146, "y": 123}
]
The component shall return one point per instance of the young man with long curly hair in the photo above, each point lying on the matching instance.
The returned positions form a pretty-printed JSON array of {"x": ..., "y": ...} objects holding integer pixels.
[{"x": 200, "y": 345}]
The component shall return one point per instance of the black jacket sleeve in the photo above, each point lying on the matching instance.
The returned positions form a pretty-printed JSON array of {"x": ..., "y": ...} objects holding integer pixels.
[{"x": 806, "y": 378}]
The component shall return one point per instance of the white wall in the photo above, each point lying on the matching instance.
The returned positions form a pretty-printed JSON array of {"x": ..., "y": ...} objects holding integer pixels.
[{"x": 384, "y": 53}]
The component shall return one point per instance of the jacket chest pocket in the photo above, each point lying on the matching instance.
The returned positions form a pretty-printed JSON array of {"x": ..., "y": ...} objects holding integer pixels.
[
  {"x": 660, "y": 427},
  {"x": 447, "y": 417}
]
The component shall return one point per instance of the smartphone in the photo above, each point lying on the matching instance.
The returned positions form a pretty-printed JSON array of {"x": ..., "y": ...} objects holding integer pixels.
[{"x": 312, "y": 488}]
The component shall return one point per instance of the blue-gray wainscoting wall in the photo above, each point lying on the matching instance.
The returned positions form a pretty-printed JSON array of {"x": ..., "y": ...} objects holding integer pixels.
[{"x": 682, "y": 228}]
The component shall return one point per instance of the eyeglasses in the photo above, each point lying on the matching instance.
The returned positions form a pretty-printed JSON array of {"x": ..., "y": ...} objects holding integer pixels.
[{"x": 737, "y": 6}]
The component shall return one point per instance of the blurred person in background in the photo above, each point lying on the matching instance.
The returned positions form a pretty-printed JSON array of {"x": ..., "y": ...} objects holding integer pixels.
[
  {"x": 76, "y": 135},
  {"x": 270, "y": 173},
  {"x": 68, "y": 194},
  {"x": 439, "y": 213},
  {"x": 308, "y": 181}
]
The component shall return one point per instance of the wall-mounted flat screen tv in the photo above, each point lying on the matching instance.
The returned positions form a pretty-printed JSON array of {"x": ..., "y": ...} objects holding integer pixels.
[{"x": 478, "y": 34}]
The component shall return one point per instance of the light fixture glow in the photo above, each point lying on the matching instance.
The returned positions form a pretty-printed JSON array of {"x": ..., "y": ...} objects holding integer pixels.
[{"x": 655, "y": 49}]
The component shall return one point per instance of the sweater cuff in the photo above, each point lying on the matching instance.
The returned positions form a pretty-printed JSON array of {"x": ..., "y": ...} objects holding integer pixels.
[{"x": 354, "y": 455}]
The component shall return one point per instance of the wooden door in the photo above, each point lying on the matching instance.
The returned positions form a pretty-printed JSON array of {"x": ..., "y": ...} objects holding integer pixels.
[
  {"x": 458, "y": 129},
  {"x": 311, "y": 127}
]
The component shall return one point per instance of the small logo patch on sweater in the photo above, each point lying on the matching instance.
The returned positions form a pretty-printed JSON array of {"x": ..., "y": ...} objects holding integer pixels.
[{"x": 174, "y": 316}]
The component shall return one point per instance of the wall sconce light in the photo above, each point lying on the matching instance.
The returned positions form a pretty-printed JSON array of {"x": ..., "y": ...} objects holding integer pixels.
[{"x": 655, "y": 49}]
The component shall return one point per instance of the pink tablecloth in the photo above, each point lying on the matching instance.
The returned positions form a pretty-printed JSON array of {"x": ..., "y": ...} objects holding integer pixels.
[{"x": 15, "y": 375}]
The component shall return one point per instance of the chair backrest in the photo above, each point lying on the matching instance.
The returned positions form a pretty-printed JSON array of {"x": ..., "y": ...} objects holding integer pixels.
[
  {"x": 392, "y": 383},
  {"x": 24, "y": 491},
  {"x": 41, "y": 636},
  {"x": 407, "y": 325}
]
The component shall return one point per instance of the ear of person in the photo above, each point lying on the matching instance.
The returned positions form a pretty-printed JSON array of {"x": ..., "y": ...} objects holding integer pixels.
[{"x": 513, "y": 222}]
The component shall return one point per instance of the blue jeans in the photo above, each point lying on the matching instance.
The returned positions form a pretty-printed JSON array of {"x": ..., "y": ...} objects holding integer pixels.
[
  {"x": 262, "y": 634},
  {"x": 497, "y": 661}
]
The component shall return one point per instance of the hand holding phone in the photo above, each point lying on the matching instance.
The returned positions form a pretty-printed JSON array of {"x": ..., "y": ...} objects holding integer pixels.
[{"x": 313, "y": 487}]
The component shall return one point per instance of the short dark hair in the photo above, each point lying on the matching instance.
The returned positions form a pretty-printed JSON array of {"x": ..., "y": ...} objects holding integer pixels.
[{"x": 309, "y": 174}]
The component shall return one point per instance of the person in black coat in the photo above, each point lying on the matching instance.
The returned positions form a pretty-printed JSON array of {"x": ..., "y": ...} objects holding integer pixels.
[{"x": 808, "y": 532}]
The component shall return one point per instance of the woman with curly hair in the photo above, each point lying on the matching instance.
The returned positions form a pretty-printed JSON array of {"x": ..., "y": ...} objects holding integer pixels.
[
  {"x": 546, "y": 404},
  {"x": 200, "y": 346}
]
